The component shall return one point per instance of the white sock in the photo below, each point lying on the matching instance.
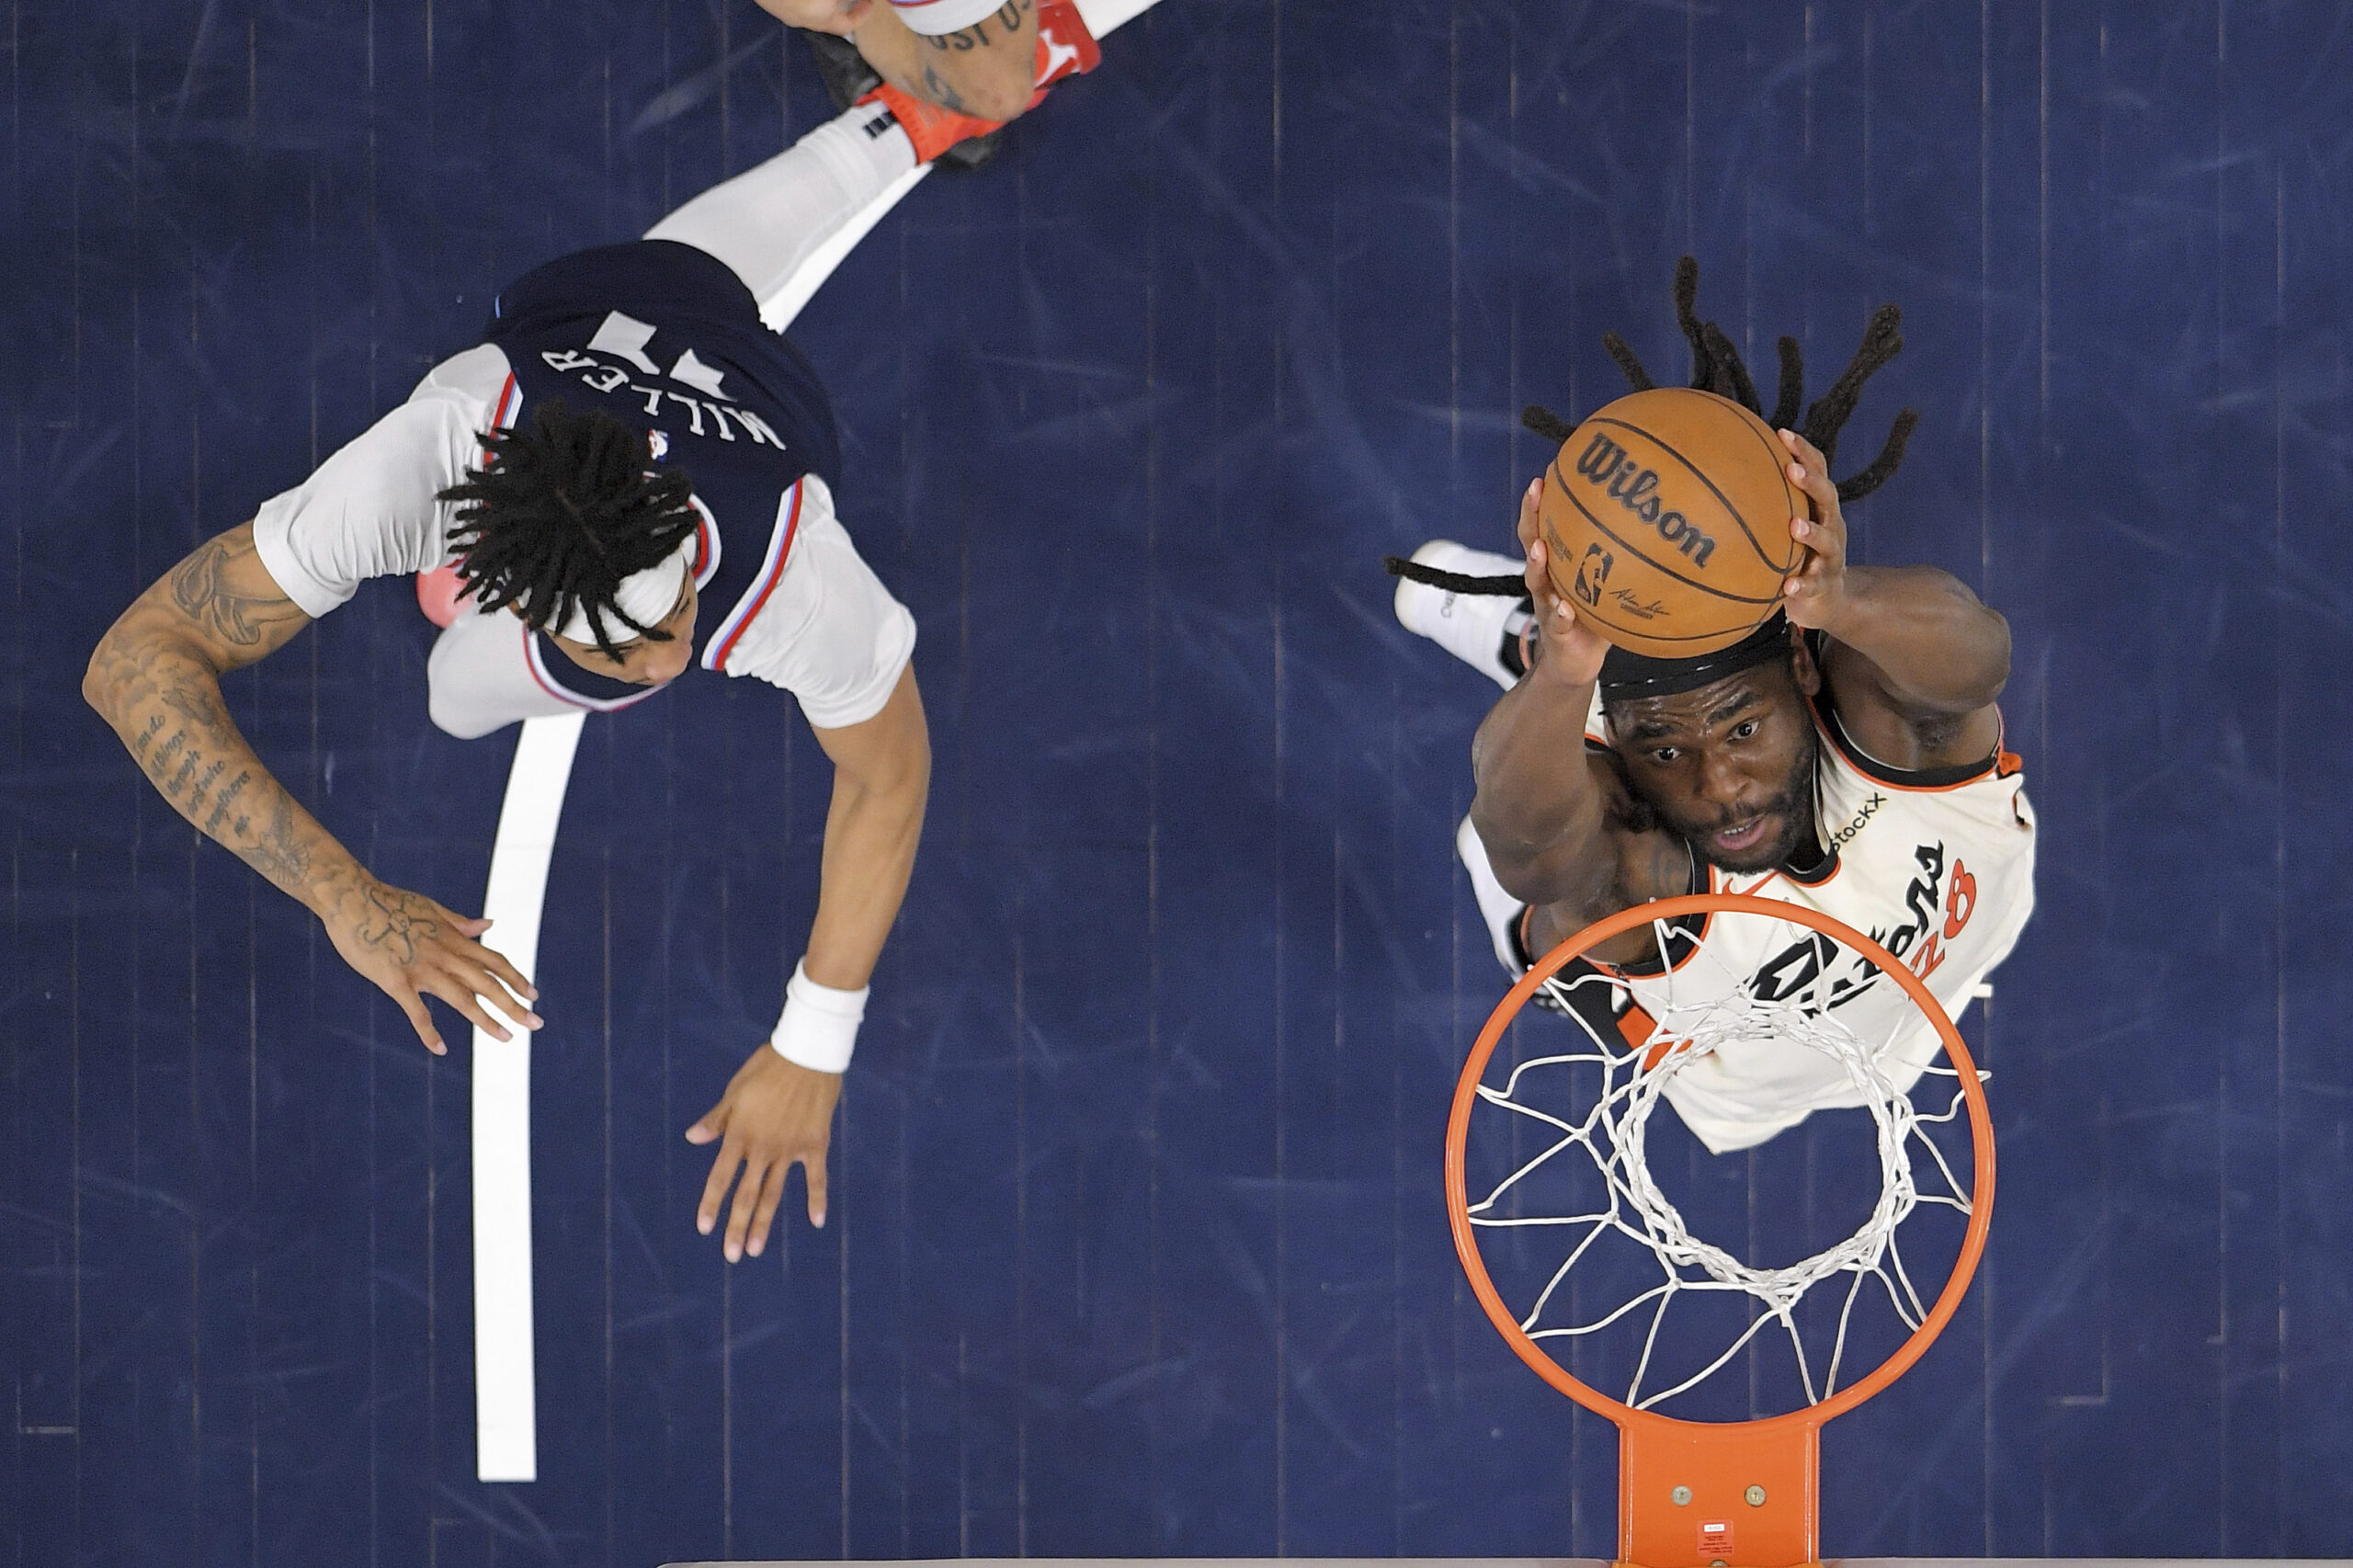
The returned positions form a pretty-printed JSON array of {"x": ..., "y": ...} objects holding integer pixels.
[
  {"x": 765, "y": 221},
  {"x": 1497, "y": 908}
]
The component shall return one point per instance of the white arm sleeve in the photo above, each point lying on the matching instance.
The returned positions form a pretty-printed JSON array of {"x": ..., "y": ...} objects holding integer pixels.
[
  {"x": 933, "y": 18},
  {"x": 369, "y": 510},
  {"x": 831, "y": 633}
]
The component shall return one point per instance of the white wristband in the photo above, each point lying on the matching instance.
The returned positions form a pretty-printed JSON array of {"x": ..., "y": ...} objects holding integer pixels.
[{"x": 818, "y": 1029}]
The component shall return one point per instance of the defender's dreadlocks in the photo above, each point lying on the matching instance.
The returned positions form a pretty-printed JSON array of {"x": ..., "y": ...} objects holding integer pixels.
[
  {"x": 559, "y": 513},
  {"x": 1716, "y": 368}
]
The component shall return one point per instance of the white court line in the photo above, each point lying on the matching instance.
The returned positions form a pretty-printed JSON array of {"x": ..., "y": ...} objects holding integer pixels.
[
  {"x": 505, "y": 1396},
  {"x": 506, "y": 1387}
]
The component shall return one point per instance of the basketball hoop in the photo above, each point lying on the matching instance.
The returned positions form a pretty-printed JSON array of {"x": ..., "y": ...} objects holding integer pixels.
[{"x": 1694, "y": 1493}]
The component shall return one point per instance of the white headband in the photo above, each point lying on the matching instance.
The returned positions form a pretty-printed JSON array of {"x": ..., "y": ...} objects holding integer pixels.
[{"x": 646, "y": 597}]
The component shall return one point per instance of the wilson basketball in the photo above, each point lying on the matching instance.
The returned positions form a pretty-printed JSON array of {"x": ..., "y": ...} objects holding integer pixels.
[{"x": 1668, "y": 519}]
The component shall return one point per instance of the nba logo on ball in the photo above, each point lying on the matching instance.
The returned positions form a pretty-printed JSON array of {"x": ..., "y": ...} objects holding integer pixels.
[{"x": 1667, "y": 517}]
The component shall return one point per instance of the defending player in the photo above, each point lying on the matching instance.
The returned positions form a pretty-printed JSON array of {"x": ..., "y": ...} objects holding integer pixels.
[
  {"x": 1846, "y": 755},
  {"x": 634, "y": 479}
]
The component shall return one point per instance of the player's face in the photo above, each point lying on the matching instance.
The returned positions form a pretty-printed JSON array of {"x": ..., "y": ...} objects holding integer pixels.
[
  {"x": 1729, "y": 766},
  {"x": 645, "y": 661}
]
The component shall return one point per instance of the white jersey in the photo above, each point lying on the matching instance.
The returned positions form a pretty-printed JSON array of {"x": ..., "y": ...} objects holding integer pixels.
[
  {"x": 1937, "y": 867},
  {"x": 816, "y": 621}
]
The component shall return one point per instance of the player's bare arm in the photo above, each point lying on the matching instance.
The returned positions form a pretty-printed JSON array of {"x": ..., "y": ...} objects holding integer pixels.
[
  {"x": 1915, "y": 661},
  {"x": 776, "y": 1113},
  {"x": 987, "y": 71},
  {"x": 1555, "y": 818},
  {"x": 155, "y": 676}
]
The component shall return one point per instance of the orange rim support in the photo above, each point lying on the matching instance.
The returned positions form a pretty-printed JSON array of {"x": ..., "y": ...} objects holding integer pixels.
[{"x": 1695, "y": 1493}]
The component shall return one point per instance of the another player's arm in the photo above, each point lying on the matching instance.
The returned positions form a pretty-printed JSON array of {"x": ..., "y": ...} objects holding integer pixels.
[
  {"x": 882, "y": 781},
  {"x": 776, "y": 1113},
  {"x": 155, "y": 676},
  {"x": 1555, "y": 816},
  {"x": 1915, "y": 660},
  {"x": 988, "y": 69}
]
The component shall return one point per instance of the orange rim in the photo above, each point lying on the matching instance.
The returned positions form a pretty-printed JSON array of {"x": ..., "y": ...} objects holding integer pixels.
[{"x": 1466, "y": 1090}]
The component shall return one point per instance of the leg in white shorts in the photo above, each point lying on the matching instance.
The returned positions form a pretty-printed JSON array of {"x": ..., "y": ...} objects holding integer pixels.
[{"x": 480, "y": 677}]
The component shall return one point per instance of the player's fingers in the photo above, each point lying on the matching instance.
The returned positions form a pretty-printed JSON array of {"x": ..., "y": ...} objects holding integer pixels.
[
  {"x": 498, "y": 964},
  {"x": 1805, "y": 451},
  {"x": 723, "y": 1171},
  {"x": 1812, "y": 478},
  {"x": 1810, "y": 472},
  {"x": 771, "y": 1195},
  {"x": 461, "y": 996},
  {"x": 1809, "y": 582},
  {"x": 713, "y": 1123},
  {"x": 496, "y": 990},
  {"x": 813, "y": 1167},
  {"x": 756, "y": 1175},
  {"x": 1823, "y": 542},
  {"x": 1537, "y": 580},
  {"x": 420, "y": 1020}
]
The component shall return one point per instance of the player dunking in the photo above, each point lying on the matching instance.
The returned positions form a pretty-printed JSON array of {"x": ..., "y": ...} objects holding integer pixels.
[
  {"x": 634, "y": 480},
  {"x": 1846, "y": 755}
]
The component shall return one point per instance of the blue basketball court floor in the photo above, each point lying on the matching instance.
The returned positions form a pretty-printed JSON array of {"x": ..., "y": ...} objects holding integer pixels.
[{"x": 1136, "y": 1245}]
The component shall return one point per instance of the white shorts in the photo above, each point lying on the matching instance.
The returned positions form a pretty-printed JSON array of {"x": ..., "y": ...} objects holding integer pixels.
[{"x": 484, "y": 674}]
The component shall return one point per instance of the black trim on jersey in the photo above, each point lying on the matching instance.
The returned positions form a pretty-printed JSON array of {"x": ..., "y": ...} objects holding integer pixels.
[
  {"x": 1872, "y": 767},
  {"x": 1819, "y": 874},
  {"x": 1691, "y": 925}
]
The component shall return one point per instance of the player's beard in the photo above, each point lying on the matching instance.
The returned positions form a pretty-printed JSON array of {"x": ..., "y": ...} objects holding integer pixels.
[{"x": 1792, "y": 805}]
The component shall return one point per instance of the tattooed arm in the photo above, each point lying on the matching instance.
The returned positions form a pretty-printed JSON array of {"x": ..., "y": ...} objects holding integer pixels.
[
  {"x": 155, "y": 676},
  {"x": 988, "y": 69},
  {"x": 1557, "y": 818}
]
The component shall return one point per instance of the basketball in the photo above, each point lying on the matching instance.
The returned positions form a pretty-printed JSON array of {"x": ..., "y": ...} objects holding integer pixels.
[{"x": 1667, "y": 515}]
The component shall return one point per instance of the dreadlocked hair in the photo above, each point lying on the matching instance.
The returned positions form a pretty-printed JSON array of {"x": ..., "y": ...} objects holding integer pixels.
[
  {"x": 559, "y": 513},
  {"x": 1716, "y": 368}
]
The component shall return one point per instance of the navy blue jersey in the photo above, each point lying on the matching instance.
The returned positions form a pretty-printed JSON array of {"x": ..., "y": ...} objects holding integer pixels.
[{"x": 667, "y": 340}]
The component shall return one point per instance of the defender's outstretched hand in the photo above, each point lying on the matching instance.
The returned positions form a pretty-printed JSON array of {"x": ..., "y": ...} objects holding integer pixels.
[
  {"x": 1570, "y": 649},
  {"x": 775, "y": 1114},
  {"x": 412, "y": 948},
  {"x": 1816, "y": 591}
]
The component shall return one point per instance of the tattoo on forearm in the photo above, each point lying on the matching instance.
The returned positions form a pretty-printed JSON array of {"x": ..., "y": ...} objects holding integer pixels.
[
  {"x": 186, "y": 776},
  {"x": 279, "y": 855},
  {"x": 160, "y": 692},
  {"x": 204, "y": 789},
  {"x": 159, "y": 766},
  {"x": 199, "y": 707},
  {"x": 222, "y": 801},
  {"x": 200, "y": 589}
]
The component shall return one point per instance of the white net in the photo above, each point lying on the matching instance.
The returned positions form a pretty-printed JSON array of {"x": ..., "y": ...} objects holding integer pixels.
[{"x": 1605, "y": 1127}]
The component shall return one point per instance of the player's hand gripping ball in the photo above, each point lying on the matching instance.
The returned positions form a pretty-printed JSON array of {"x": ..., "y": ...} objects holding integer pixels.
[{"x": 1667, "y": 522}]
